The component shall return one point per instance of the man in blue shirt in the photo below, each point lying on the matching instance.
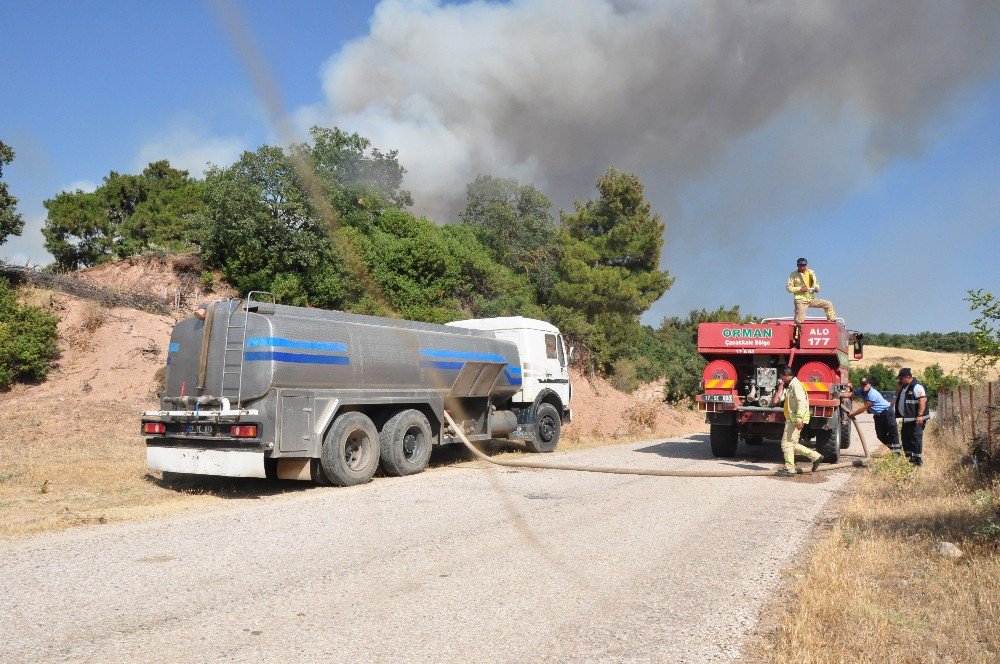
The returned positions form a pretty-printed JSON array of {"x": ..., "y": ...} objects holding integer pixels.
[{"x": 885, "y": 418}]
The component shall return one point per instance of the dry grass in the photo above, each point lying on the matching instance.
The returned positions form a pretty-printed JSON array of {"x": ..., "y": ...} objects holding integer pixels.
[
  {"x": 918, "y": 360},
  {"x": 93, "y": 472},
  {"x": 875, "y": 591}
]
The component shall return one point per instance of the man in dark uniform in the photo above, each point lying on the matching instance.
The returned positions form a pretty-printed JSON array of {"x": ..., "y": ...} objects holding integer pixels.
[{"x": 911, "y": 405}]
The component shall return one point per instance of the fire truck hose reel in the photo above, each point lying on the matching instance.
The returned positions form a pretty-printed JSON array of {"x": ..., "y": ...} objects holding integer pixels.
[{"x": 857, "y": 463}]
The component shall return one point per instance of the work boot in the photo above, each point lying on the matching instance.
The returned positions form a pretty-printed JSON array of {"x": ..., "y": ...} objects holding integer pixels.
[
  {"x": 818, "y": 460},
  {"x": 785, "y": 473}
]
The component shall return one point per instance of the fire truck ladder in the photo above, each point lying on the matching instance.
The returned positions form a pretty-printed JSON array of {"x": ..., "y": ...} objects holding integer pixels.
[{"x": 236, "y": 341}]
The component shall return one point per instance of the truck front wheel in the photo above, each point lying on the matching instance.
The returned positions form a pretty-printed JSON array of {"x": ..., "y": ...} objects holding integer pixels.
[
  {"x": 405, "y": 443},
  {"x": 350, "y": 450},
  {"x": 548, "y": 426},
  {"x": 845, "y": 431},
  {"x": 724, "y": 439}
]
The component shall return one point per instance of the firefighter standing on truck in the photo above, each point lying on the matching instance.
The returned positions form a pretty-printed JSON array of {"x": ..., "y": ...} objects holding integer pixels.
[
  {"x": 796, "y": 418},
  {"x": 803, "y": 285}
]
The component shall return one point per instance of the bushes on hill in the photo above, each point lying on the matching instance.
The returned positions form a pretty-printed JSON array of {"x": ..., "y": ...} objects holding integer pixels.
[{"x": 27, "y": 340}]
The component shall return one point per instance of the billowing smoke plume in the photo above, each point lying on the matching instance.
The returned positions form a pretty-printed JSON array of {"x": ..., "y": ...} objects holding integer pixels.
[{"x": 554, "y": 92}]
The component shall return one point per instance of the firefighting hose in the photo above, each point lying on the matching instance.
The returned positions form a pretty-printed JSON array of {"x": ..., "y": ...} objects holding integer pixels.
[{"x": 857, "y": 463}]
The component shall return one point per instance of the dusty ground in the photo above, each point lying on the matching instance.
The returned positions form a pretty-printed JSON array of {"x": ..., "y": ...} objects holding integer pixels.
[
  {"x": 460, "y": 564},
  {"x": 71, "y": 454},
  {"x": 162, "y": 277}
]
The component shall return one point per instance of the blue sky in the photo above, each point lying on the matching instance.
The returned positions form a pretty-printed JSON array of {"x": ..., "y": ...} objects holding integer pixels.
[{"x": 897, "y": 234}]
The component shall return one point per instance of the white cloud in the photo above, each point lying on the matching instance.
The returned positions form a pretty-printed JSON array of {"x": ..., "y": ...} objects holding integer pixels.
[
  {"x": 190, "y": 148},
  {"x": 555, "y": 92},
  {"x": 85, "y": 186}
]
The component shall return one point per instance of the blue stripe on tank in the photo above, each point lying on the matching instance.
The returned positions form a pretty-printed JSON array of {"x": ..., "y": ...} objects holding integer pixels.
[
  {"x": 462, "y": 355},
  {"x": 300, "y": 358},
  {"x": 279, "y": 342},
  {"x": 513, "y": 374}
]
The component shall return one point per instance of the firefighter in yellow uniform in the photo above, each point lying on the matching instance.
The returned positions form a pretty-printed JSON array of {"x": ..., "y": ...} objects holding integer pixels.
[
  {"x": 796, "y": 418},
  {"x": 803, "y": 285}
]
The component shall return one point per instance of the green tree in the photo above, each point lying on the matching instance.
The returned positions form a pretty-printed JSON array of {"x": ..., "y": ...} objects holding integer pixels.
[
  {"x": 27, "y": 340},
  {"x": 351, "y": 169},
  {"x": 262, "y": 233},
  {"x": 126, "y": 215},
  {"x": 881, "y": 376},
  {"x": 11, "y": 222},
  {"x": 609, "y": 269},
  {"x": 514, "y": 222},
  {"x": 985, "y": 331}
]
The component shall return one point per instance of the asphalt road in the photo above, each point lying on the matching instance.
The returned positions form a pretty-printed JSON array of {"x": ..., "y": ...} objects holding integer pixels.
[{"x": 457, "y": 564}]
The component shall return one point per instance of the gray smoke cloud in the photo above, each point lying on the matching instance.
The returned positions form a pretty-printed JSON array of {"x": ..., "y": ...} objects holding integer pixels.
[{"x": 815, "y": 93}]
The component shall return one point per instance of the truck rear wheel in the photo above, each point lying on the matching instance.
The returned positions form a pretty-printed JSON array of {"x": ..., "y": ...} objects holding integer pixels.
[
  {"x": 828, "y": 440},
  {"x": 548, "y": 426},
  {"x": 350, "y": 450},
  {"x": 724, "y": 438},
  {"x": 405, "y": 443}
]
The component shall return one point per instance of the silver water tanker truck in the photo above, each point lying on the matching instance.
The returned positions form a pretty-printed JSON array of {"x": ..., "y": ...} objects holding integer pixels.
[{"x": 258, "y": 389}]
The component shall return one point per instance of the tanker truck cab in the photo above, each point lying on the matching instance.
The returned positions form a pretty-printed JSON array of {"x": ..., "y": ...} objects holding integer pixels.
[
  {"x": 544, "y": 358},
  {"x": 258, "y": 389}
]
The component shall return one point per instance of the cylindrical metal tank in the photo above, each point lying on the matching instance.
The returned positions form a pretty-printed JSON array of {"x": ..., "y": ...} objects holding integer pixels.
[{"x": 298, "y": 347}]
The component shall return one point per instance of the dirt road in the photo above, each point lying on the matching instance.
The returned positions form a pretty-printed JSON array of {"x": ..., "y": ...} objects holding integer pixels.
[{"x": 459, "y": 564}]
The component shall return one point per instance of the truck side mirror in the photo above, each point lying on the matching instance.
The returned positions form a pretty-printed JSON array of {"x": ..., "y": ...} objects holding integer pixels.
[
  {"x": 859, "y": 346},
  {"x": 572, "y": 354}
]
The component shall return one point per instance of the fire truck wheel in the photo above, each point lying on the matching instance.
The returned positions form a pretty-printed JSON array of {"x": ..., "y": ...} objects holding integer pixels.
[
  {"x": 725, "y": 439},
  {"x": 548, "y": 426},
  {"x": 350, "y": 450},
  {"x": 405, "y": 443},
  {"x": 845, "y": 433},
  {"x": 828, "y": 440}
]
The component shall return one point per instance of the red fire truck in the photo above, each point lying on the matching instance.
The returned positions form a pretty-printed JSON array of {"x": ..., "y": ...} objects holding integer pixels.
[{"x": 741, "y": 392}]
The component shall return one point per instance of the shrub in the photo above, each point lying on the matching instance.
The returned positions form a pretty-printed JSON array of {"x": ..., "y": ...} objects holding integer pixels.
[
  {"x": 641, "y": 417},
  {"x": 27, "y": 340},
  {"x": 623, "y": 376}
]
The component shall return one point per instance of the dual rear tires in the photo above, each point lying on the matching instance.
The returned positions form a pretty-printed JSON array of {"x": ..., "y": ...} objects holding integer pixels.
[{"x": 354, "y": 447}]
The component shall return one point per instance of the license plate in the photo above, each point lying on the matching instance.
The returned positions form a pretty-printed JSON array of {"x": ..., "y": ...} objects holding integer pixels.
[{"x": 199, "y": 429}]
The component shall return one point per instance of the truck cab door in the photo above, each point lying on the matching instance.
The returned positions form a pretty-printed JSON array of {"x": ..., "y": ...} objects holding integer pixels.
[{"x": 556, "y": 367}]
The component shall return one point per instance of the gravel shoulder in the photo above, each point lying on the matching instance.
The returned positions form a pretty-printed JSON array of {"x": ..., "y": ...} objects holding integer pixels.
[{"x": 464, "y": 563}]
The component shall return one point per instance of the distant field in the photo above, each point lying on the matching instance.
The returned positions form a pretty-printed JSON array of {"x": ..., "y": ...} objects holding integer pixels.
[{"x": 918, "y": 360}]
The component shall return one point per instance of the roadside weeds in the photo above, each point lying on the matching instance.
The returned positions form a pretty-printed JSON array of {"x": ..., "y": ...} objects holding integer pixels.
[{"x": 874, "y": 588}]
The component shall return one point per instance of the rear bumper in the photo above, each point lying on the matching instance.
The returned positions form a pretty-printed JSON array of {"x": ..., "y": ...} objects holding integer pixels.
[{"x": 197, "y": 461}]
